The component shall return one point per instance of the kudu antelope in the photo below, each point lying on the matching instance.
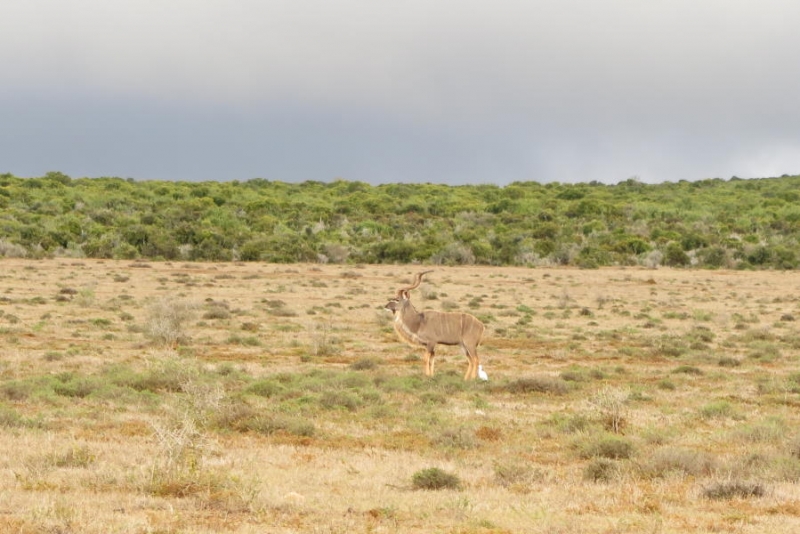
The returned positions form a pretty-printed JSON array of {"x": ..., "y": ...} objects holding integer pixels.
[{"x": 430, "y": 328}]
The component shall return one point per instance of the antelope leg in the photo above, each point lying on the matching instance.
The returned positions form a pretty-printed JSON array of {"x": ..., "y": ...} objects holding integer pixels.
[{"x": 472, "y": 367}]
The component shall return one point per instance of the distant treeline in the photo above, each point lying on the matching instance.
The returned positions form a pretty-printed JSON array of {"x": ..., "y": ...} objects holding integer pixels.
[{"x": 712, "y": 223}]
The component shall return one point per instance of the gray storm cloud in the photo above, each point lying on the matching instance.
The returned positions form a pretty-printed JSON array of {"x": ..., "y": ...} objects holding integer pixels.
[{"x": 446, "y": 91}]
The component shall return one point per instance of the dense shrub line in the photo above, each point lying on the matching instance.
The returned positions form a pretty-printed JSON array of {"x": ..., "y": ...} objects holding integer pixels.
[{"x": 710, "y": 223}]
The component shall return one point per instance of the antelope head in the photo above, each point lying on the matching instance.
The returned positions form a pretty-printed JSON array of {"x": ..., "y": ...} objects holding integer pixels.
[{"x": 402, "y": 296}]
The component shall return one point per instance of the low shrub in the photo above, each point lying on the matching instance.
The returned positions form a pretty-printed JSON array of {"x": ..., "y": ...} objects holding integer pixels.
[
  {"x": 667, "y": 460},
  {"x": 167, "y": 374},
  {"x": 364, "y": 364},
  {"x": 771, "y": 430},
  {"x": 16, "y": 390},
  {"x": 688, "y": 370},
  {"x": 211, "y": 488},
  {"x": 69, "y": 385},
  {"x": 347, "y": 400},
  {"x": 434, "y": 478},
  {"x": 9, "y": 418},
  {"x": 516, "y": 475},
  {"x": 75, "y": 457},
  {"x": 268, "y": 425},
  {"x": 539, "y": 384},
  {"x": 733, "y": 490},
  {"x": 574, "y": 423},
  {"x": 601, "y": 470},
  {"x": 239, "y": 416},
  {"x": 432, "y": 398},
  {"x": 717, "y": 410},
  {"x": 165, "y": 321},
  {"x": 265, "y": 388},
  {"x": 217, "y": 310},
  {"x": 605, "y": 446},
  {"x": 456, "y": 438}
]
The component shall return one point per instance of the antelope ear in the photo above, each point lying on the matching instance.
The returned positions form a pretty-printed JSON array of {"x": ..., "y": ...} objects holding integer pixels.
[{"x": 405, "y": 295}]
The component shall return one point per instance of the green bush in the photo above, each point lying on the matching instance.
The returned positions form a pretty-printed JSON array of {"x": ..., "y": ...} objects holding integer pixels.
[
  {"x": 600, "y": 470},
  {"x": 675, "y": 256},
  {"x": 347, "y": 400},
  {"x": 522, "y": 223},
  {"x": 70, "y": 385},
  {"x": 609, "y": 446},
  {"x": 539, "y": 384},
  {"x": 713, "y": 257},
  {"x": 153, "y": 380},
  {"x": 435, "y": 479},
  {"x": 717, "y": 410},
  {"x": 265, "y": 388}
]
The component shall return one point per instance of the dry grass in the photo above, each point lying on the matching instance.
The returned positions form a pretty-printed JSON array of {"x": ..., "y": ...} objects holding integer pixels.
[{"x": 162, "y": 397}]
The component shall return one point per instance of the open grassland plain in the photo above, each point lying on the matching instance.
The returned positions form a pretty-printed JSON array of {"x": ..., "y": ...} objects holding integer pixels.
[{"x": 156, "y": 397}]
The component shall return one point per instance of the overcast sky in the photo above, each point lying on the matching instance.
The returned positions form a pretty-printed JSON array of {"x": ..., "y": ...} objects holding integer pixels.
[{"x": 443, "y": 91}]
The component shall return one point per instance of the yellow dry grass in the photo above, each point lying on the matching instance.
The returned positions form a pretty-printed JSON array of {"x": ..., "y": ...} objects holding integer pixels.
[{"x": 618, "y": 398}]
